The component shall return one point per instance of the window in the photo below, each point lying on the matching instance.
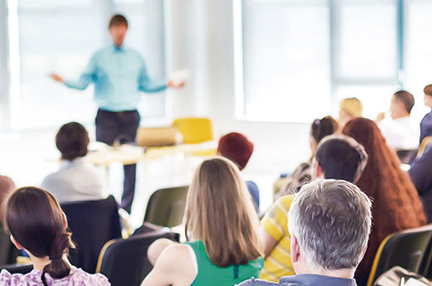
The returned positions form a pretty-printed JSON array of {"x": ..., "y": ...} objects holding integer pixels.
[
  {"x": 418, "y": 52},
  {"x": 285, "y": 45},
  {"x": 365, "y": 42},
  {"x": 296, "y": 59},
  {"x": 60, "y": 36}
]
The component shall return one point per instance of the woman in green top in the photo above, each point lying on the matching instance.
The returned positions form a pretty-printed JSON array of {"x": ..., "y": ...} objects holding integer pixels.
[{"x": 221, "y": 225}]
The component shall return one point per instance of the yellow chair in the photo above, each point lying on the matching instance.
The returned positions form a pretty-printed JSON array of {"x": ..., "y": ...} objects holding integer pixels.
[
  {"x": 407, "y": 249},
  {"x": 194, "y": 129}
]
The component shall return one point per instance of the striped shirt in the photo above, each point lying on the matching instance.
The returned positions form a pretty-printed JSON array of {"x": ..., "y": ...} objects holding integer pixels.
[{"x": 275, "y": 222}]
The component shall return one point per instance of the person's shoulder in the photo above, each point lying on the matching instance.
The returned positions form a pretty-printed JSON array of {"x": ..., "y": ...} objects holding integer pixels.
[
  {"x": 50, "y": 179},
  {"x": 257, "y": 282},
  {"x": 133, "y": 52},
  {"x": 176, "y": 259},
  {"x": 286, "y": 200},
  {"x": 175, "y": 251},
  {"x": 100, "y": 53},
  {"x": 85, "y": 278},
  {"x": 251, "y": 184},
  {"x": 105, "y": 49},
  {"x": 7, "y": 279}
]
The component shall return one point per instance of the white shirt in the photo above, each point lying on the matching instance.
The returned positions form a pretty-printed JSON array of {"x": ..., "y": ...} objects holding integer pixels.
[
  {"x": 76, "y": 180},
  {"x": 401, "y": 133}
]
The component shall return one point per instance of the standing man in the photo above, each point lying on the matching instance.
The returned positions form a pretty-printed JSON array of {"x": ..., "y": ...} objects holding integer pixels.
[{"x": 119, "y": 74}]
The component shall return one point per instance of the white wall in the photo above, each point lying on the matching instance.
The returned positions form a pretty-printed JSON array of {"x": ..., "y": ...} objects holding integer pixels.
[
  {"x": 4, "y": 98},
  {"x": 201, "y": 33}
]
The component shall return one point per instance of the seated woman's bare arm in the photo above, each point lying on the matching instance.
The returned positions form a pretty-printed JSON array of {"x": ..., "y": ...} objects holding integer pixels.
[{"x": 174, "y": 266}]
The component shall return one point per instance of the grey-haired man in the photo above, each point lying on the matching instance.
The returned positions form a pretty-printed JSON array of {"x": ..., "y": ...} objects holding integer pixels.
[{"x": 329, "y": 222}]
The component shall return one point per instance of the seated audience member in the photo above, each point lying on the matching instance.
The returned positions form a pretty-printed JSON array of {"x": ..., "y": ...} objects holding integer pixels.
[
  {"x": 337, "y": 157},
  {"x": 329, "y": 223},
  {"x": 76, "y": 180},
  {"x": 397, "y": 205},
  {"x": 320, "y": 128},
  {"x": 238, "y": 148},
  {"x": 426, "y": 123},
  {"x": 399, "y": 130},
  {"x": 38, "y": 225},
  {"x": 349, "y": 108},
  {"x": 221, "y": 226},
  {"x": 421, "y": 176}
]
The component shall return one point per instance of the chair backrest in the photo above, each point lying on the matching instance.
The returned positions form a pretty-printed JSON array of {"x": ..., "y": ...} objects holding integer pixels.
[
  {"x": 92, "y": 223},
  {"x": 194, "y": 129},
  {"x": 8, "y": 252},
  {"x": 406, "y": 249},
  {"x": 124, "y": 261},
  {"x": 166, "y": 206},
  {"x": 17, "y": 268}
]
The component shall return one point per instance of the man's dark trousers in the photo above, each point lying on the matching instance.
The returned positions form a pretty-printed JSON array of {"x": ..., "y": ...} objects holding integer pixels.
[{"x": 120, "y": 126}]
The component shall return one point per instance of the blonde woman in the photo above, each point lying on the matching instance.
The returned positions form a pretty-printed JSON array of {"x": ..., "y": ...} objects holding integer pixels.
[
  {"x": 349, "y": 108},
  {"x": 221, "y": 226}
]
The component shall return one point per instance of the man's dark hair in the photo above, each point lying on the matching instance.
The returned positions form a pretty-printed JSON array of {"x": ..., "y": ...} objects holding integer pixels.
[
  {"x": 341, "y": 158},
  {"x": 406, "y": 98},
  {"x": 117, "y": 20},
  {"x": 72, "y": 140}
]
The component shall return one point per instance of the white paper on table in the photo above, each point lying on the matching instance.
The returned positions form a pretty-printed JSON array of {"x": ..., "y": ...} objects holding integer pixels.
[{"x": 179, "y": 76}]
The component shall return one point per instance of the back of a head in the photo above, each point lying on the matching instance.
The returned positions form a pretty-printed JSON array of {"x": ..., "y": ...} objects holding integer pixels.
[
  {"x": 406, "y": 98},
  {"x": 36, "y": 221},
  {"x": 72, "y": 140},
  {"x": 428, "y": 90},
  {"x": 341, "y": 158},
  {"x": 331, "y": 220},
  {"x": 382, "y": 163},
  {"x": 236, "y": 147},
  {"x": 352, "y": 106},
  {"x": 6, "y": 187},
  {"x": 323, "y": 127},
  {"x": 367, "y": 133},
  {"x": 220, "y": 212}
]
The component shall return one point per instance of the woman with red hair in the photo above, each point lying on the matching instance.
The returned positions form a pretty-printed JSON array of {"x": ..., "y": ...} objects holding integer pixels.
[
  {"x": 396, "y": 204},
  {"x": 237, "y": 148}
]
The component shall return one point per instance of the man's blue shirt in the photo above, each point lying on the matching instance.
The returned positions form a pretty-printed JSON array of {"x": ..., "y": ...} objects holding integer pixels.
[{"x": 119, "y": 74}]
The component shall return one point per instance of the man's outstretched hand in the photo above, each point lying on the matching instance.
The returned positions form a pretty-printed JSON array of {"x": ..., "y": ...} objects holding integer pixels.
[
  {"x": 171, "y": 84},
  {"x": 57, "y": 78}
]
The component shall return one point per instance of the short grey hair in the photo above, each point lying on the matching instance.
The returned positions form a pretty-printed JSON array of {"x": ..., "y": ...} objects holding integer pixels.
[{"x": 331, "y": 220}]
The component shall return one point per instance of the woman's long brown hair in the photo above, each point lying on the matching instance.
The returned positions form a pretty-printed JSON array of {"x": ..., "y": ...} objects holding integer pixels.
[
  {"x": 36, "y": 221},
  {"x": 396, "y": 204},
  {"x": 220, "y": 213}
]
